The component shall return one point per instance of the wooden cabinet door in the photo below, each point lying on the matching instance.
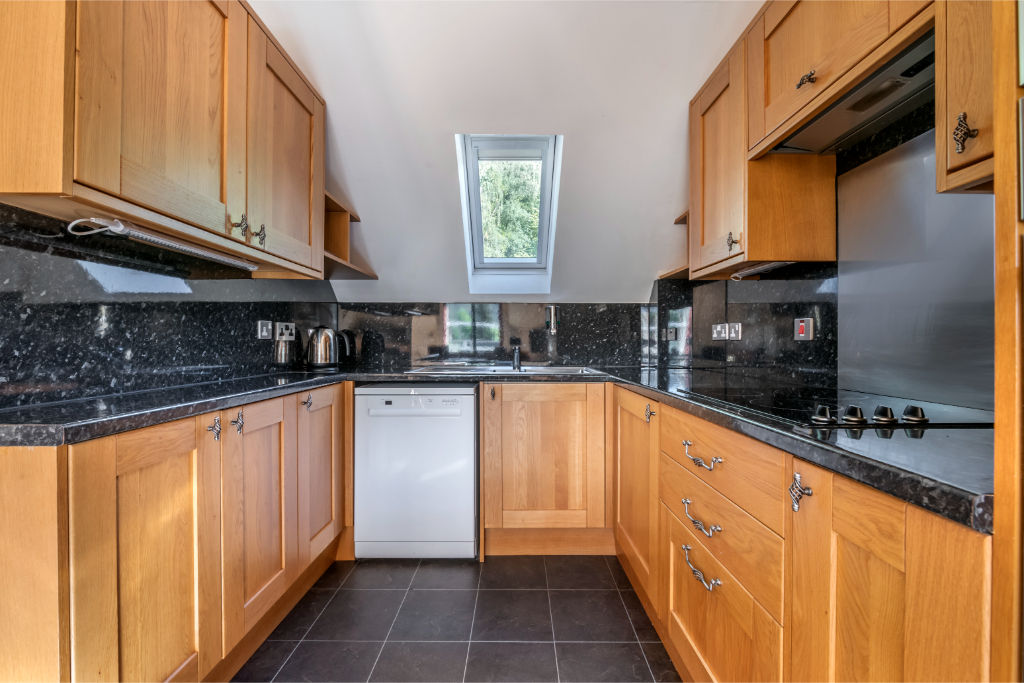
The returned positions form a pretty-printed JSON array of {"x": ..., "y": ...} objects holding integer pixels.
[
  {"x": 882, "y": 590},
  {"x": 320, "y": 436},
  {"x": 144, "y": 555},
  {"x": 552, "y": 455},
  {"x": 721, "y": 632},
  {"x": 717, "y": 159},
  {"x": 792, "y": 40},
  {"x": 259, "y": 511},
  {"x": 963, "y": 86},
  {"x": 636, "y": 487},
  {"x": 285, "y": 156},
  {"x": 160, "y": 110}
]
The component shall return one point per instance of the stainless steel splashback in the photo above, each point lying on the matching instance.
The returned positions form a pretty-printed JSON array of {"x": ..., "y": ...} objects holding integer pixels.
[{"x": 915, "y": 292}]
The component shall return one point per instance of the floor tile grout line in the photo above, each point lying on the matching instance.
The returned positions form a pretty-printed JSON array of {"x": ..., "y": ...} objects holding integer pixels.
[
  {"x": 551, "y": 615},
  {"x": 472, "y": 624},
  {"x": 310, "y": 628},
  {"x": 636, "y": 635},
  {"x": 408, "y": 589},
  {"x": 285, "y": 661}
]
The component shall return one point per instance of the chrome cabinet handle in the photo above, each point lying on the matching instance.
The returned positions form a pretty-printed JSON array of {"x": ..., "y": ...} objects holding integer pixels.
[
  {"x": 648, "y": 413},
  {"x": 239, "y": 422},
  {"x": 492, "y": 393},
  {"x": 697, "y": 524},
  {"x": 242, "y": 225},
  {"x": 215, "y": 428},
  {"x": 698, "y": 574},
  {"x": 699, "y": 462},
  {"x": 261, "y": 234},
  {"x": 731, "y": 242},
  {"x": 308, "y": 402},
  {"x": 797, "y": 490},
  {"x": 808, "y": 77},
  {"x": 962, "y": 131}
]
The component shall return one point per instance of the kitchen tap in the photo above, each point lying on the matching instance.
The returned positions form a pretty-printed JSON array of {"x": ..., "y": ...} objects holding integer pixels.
[{"x": 517, "y": 363}]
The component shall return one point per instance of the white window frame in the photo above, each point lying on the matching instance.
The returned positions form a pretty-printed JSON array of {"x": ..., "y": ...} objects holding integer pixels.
[{"x": 508, "y": 276}]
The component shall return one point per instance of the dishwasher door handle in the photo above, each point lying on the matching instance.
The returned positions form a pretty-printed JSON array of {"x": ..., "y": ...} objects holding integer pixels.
[{"x": 413, "y": 412}]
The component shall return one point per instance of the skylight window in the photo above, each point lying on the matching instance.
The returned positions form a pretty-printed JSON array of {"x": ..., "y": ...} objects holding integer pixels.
[{"x": 509, "y": 189}]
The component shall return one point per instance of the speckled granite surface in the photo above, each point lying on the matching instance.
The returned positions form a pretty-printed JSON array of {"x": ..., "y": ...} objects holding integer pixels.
[{"x": 950, "y": 474}]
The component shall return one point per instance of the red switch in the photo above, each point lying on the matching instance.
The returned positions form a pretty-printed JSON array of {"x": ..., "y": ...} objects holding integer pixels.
[{"x": 803, "y": 329}]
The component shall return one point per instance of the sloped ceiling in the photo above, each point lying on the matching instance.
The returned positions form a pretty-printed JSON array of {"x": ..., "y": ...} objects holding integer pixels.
[{"x": 615, "y": 78}]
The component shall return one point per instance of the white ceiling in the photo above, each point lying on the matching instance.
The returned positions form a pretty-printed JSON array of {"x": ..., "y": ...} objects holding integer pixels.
[{"x": 615, "y": 78}]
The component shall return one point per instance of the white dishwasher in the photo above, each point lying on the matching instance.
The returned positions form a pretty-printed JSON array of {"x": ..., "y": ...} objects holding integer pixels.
[{"x": 415, "y": 470}]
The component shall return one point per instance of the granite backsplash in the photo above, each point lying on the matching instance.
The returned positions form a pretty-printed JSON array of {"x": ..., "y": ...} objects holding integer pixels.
[{"x": 98, "y": 316}]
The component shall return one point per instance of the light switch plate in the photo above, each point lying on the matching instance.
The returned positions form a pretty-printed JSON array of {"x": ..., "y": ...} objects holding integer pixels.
[
  {"x": 735, "y": 331},
  {"x": 719, "y": 332},
  {"x": 263, "y": 329},
  {"x": 803, "y": 329},
  {"x": 285, "y": 331},
  {"x": 673, "y": 334}
]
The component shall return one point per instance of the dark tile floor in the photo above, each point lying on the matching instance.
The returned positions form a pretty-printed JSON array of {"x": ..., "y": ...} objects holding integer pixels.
[{"x": 509, "y": 619}]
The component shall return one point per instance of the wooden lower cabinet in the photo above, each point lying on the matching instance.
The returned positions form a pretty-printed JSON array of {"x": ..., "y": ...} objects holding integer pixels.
[
  {"x": 260, "y": 511},
  {"x": 170, "y": 544},
  {"x": 716, "y": 626},
  {"x": 856, "y": 585},
  {"x": 144, "y": 549},
  {"x": 882, "y": 590},
  {"x": 543, "y": 455},
  {"x": 321, "y": 419},
  {"x": 636, "y": 488}
]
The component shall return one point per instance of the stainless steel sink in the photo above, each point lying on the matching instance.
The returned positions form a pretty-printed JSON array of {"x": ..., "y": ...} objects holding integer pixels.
[{"x": 503, "y": 370}]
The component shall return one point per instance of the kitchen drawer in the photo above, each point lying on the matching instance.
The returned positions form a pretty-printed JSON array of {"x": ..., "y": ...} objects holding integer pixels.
[
  {"x": 745, "y": 471},
  {"x": 722, "y": 634},
  {"x": 746, "y": 547}
]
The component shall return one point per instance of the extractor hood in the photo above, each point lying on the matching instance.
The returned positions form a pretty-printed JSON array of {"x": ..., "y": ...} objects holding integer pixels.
[{"x": 899, "y": 87}]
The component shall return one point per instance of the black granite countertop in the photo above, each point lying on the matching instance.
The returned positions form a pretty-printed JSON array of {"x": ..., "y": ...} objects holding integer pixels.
[{"x": 949, "y": 472}]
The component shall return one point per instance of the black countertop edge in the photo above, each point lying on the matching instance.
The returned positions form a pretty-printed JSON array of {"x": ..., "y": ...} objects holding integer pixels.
[
  {"x": 72, "y": 422},
  {"x": 969, "y": 508}
]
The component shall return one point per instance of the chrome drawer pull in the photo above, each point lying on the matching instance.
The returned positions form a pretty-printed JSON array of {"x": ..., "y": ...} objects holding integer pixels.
[
  {"x": 697, "y": 524},
  {"x": 797, "y": 490},
  {"x": 808, "y": 77},
  {"x": 308, "y": 402},
  {"x": 215, "y": 428},
  {"x": 239, "y": 422},
  {"x": 698, "y": 574},
  {"x": 699, "y": 462},
  {"x": 648, "y": 413},
  {"x": 961, "y": 132}
]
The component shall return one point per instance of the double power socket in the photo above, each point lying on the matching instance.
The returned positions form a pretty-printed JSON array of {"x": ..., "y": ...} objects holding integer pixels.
[
  {"x": 283, "y": 331},
  {"x": 726, "y": 331}
]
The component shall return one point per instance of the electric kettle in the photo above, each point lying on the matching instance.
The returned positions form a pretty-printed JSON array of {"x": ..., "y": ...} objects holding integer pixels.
[{"x": 322, "y": 350}]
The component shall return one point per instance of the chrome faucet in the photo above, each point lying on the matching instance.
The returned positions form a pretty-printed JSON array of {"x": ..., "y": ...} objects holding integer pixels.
[{"x": 517, "y": 363}]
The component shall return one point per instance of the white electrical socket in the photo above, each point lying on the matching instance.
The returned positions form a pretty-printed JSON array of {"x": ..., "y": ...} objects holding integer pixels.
[
  {"x": 285, "y": 331},
  {"x": 263, "y": 329},
  {"x": 719, "y": 331},
  {"x": 735, "y": 331}
]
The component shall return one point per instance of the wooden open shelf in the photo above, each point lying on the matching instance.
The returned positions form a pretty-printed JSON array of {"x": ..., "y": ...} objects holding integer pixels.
[
  {"x": 675, "y": 274},
  {"x": 339, "y": 261},
  {"x": 683, "y": 219}
]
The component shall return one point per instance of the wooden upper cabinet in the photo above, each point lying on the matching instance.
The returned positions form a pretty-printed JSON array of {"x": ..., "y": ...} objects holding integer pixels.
[
  {"x": 320, "y": 427},
  {"x": 780, "y": 207},
  {"x": 543, "y": 452},
  {"x": 160, "y": 102},
  {"x": 717, "y": 165},
  {"x": 285, "y": 156},
  {"x": 963, "y": 89},
  {"x": 636, "y": 487},
  {"x": 258, "y": 495},
  {"x": 882, "y": 590},
  {"x": 800, "y": 48},
  {"x": 144, "y": 555}
]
